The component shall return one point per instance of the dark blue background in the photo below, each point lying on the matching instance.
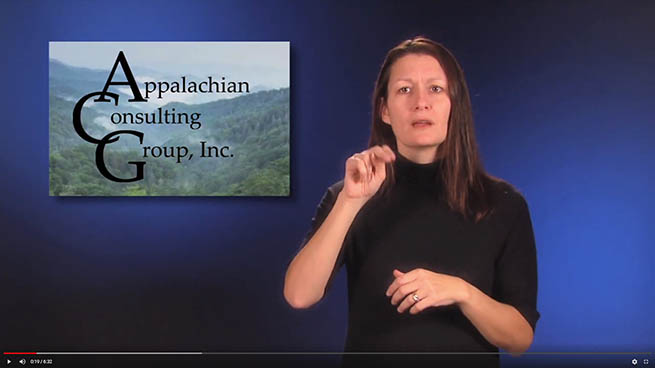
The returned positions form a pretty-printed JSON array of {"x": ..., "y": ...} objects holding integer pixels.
[{"x": 563, "y": 101}]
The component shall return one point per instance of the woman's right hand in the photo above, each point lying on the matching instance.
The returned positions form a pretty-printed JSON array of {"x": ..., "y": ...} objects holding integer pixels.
[{"x": 365, "y": 172}]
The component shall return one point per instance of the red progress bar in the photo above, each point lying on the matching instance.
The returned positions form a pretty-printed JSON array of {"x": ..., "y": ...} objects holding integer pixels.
[{"x": 9, "y": 353}]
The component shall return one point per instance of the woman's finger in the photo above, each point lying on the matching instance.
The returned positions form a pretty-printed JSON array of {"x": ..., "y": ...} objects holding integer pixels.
[
  {"x": 364, "y": 157},
  {"x": 370, "y": 161},
  {"x": 400, "y": 279},
  {"x": 381, "y": 154},
  {"x": 379, "y": 160},
  {"x": 421, "y": 305},
  {"x": 403, "y": 291},
  {"x": 411, "y": 299},
  {"x": 359, "y": 169},
  {"x": 390, "y": 151}
]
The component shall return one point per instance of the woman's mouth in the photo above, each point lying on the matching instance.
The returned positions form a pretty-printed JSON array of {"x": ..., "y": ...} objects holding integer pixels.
[{"x": 423, "y": 123}]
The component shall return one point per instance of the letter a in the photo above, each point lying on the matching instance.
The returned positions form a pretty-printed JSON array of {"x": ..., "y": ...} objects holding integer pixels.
[{"x": 130, "y": 81}]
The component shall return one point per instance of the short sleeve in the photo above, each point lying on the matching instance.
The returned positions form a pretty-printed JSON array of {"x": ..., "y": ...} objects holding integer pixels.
[
  {"x": 322, "y": 211},
  {"x": 515, "y": 282}
]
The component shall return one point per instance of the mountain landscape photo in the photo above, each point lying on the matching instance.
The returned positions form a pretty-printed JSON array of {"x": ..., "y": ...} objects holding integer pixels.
[{"x": 253, "y": 128}]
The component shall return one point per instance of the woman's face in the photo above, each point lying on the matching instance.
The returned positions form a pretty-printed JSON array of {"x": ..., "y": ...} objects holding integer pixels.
[{"x": 417, "y": 106}]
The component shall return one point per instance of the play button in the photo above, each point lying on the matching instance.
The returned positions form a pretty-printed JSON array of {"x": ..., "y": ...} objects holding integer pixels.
[{"x": 8, "y": 361}]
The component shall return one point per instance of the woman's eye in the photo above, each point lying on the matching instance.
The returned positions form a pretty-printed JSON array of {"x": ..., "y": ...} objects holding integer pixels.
[
  {"x": 437, "y": 89},
  {"x": 403, "y": 90}
]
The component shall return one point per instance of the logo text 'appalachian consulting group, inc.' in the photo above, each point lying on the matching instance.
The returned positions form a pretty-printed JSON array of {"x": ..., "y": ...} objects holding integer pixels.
[{"x": 239, "y": 131}]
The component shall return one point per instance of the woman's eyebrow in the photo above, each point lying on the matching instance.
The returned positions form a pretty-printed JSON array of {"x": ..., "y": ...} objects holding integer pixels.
[{"x": 412, "y": 80}]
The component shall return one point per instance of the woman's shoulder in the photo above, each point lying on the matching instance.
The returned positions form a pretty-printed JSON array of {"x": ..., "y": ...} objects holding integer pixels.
[
  {"x": 505, "y": 197},
  {"x": 335, "y": 188},
  {"x": 331, "y": 194}
]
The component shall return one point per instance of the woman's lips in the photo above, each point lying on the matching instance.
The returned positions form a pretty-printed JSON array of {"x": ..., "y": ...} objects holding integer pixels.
[{"x": 421, "y": 123}]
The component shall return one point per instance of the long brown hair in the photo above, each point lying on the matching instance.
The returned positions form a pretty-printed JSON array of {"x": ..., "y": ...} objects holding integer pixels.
[{"x": 463, "y": 177}]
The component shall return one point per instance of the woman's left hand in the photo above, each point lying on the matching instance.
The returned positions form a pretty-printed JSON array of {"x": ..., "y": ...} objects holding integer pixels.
[{"x": 420, "y": 289}]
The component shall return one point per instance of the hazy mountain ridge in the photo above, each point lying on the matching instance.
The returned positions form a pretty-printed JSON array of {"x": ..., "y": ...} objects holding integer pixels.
[{"x": 255, "y": 126}]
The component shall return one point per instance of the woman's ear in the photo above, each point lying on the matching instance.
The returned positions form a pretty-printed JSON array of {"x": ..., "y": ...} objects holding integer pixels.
[{"x": 384, "y": 112}]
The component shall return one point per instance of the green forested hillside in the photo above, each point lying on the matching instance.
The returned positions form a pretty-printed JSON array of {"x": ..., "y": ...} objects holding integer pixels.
[{"x": 255, "y": 127}]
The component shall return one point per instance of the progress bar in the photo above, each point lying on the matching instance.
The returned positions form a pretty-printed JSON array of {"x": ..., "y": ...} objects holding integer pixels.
[
  {"x": 108, "y": 353},
  {"x": 314, "y": 353}
]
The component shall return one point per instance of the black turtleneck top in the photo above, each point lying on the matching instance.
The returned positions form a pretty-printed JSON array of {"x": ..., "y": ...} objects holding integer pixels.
[{"x": 412, "y": 227}]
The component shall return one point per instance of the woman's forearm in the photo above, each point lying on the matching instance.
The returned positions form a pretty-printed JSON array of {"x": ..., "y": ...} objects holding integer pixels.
[
  {"x": 501, "y": 324},
  {"x": 309, "y": 271}
]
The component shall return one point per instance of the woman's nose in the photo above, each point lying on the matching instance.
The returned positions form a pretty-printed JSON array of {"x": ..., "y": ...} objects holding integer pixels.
[{"x": 421, "y": 102}]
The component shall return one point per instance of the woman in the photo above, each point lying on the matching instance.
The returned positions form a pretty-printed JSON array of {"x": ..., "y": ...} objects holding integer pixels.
[{"x": 440, "y": 255}]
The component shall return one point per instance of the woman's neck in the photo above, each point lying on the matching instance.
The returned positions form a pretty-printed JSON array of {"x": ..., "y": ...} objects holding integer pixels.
[
  {"x": 417, "y": 175},
  {"x": 421, "y": 155}
]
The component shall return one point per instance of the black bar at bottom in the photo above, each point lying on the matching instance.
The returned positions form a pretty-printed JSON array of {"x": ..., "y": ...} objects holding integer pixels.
[{"x": 331, "y": 360}]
